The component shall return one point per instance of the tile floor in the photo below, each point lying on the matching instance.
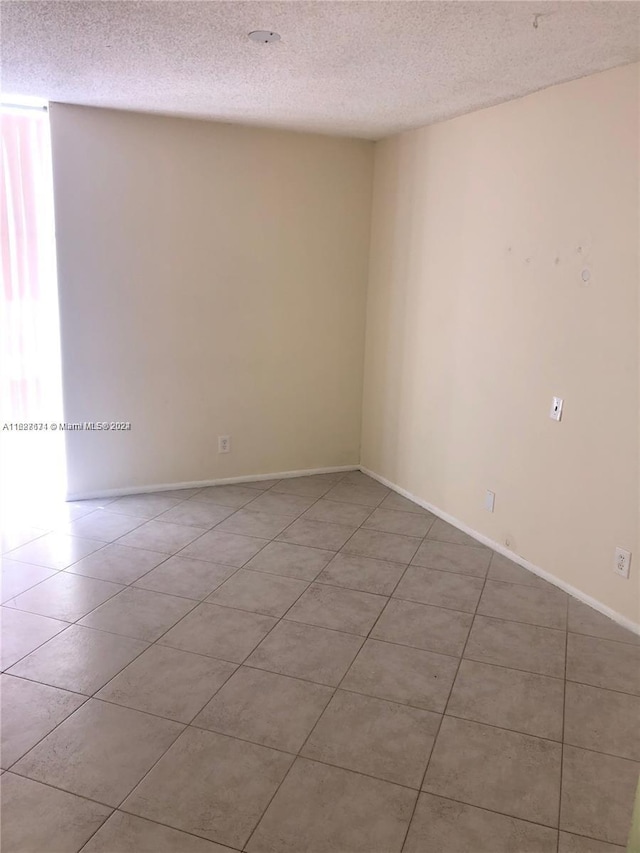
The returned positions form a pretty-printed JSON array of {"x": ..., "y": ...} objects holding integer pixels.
[{"x": 312, "y": 664}]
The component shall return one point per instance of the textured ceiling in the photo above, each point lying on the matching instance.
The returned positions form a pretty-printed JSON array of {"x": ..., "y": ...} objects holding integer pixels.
[{"x": 365, "y": 69}]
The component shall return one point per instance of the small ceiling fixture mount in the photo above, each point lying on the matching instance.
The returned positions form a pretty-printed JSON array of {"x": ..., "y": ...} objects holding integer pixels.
[{"x": 264, "y": 36}]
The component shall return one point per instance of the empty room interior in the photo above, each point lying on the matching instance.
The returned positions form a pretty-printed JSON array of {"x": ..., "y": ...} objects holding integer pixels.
[{"x": 320, "y": 427}]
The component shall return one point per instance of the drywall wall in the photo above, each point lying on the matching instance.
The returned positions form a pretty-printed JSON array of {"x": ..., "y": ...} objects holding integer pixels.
[
  {"x": 478, "y": 315},
  {"x": 212, "y": 281}
]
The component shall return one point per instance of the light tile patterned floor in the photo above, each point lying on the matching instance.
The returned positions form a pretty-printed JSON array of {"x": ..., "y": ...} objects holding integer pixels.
[{"x": 311, "y": 665}]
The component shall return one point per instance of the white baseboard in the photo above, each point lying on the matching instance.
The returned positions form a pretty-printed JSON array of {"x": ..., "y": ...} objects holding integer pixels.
[
  {"x": 200, "y": 484},
  {"x": 629, "y": 624}
]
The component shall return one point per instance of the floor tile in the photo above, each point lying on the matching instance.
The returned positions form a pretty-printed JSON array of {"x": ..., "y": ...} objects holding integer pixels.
[
  {"x": 394, "y": 521},
  {"x": 117, "y": 563},
  {"x": 125, "y": 833},
  {"x": 64, "y": 822},
  {"x": 362, "y": 573},
  {"x": 505, "y": 570},
  {"x": 180, "y": 494},
  {"x": 521, "y": 701},
  {"x": 202, "y": 514},
  {"x": 423, "y": 626},
  {"x": 338, "y": 513},
  {"x": 19, "y": 577},
  {"x": 211, "y": 785},
  {"x": 186, "y": 577},
  {"x": 101, "y": 751},
  {"x": 259, "y": 592},
  {"x": 444, "y": 825},
  {"x": 161, "y": 536},
  {"x": 313, "y": 486},
  {"x": 321, "y": 808},
  {"x": 546, "y": 607},
  {"x": 517, "y": 645},
  {"x": 55, "y": 550},
  {"x": 374, "y": 737},
  {"x": 90, "y": 503},
  {"x": 340, "y": 609},
  {"x": 358, "y": 478},
  {"x": 249, "y": 522},
  {"x": 602, "y": 720},
  {"x": 586, "y": 620},
  {"x": 402, "y": 674},
  {"x": 102, "y": 525},
  {"x": 37, "y": 511},
  {"x": 80, "y": 659},
  {"x": 397, "y": 502},
  {"x": 14, "y": 537},
  {"x": 139, "y": 613},
  {"x": 501, "y": 702},
  {"x": 262, "y": 485},
  {"x": 233, "y": 496},
  {"x": 52, "y": 515},
  {"x": 441, "y": 589},
  {"x": 317, "y": 534},
  {"x": 597, "y": 794},
  {"x": 143, "y": 506},
  {"x": 449, "y": 557},
  {"x": 219, "y": 631},
  {"x": 503, "y": 771},
  {"x": 603, "y": 663},
  {"x": 168, "y": 682},
  {"x": 307, "y": 652},
  {"x": 366, "y": 495},
  {"x": 65, "y": 596},
  {"x": 570, "y": 843},
  {"x": 442, "y": 531},
  {"x": 229, "y": 549},
  {"x": 281, "y": 504},
  {"x": 265, "y": 708},
  {"x": 384, "y": 546},
  {"x": 29, "y": 712},
  {"x": 23, "y": 632},
  {"x": 295, "y": 561}
]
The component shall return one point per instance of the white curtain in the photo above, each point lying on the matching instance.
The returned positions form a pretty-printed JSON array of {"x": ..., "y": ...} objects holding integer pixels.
[{"x": 29, "y": 327}]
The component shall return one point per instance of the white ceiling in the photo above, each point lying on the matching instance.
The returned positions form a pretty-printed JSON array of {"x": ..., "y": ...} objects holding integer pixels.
[{"x": 365, "y": 69}]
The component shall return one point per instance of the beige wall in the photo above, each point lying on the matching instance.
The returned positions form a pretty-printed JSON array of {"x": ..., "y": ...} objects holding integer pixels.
[
  {"x": 477, "y": 316},
  {"x": 212, "y": 281}
]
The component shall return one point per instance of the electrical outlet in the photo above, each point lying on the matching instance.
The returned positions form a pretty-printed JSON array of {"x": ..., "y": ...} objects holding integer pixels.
[
  {"x": 622, "y": 562},
  {"x": 489, "y": 500},
  {"x": 224, "y": 443},
  {"x": 556, "y": 409}
]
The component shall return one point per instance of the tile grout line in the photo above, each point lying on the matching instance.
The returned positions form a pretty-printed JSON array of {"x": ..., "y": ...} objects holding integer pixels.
[
  {"x": 322, "y": 627},
  {"x": 118, "y": 810},
  {"x": 114, "y": 542},
  {"x": 264, "y": 811},
  {"x": 324, "y": 684},
  {"x": 247, "y": 656},
  {"x": 444, "y": 710},
  {"x": 237, "y": 509},
  {"x": 355, "y": 772},
  {"x": 329, "y": 700},
  {"x": 93, "y": 695},
  {"x": 335, "y": 690},
  {"x": 179, "y": 502},
  {"x": 564, "y": 712},
  {"x": 198, "y": 490},
  {"x": 281, "y": 618},
  {"x": 55, "y": 530}
]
